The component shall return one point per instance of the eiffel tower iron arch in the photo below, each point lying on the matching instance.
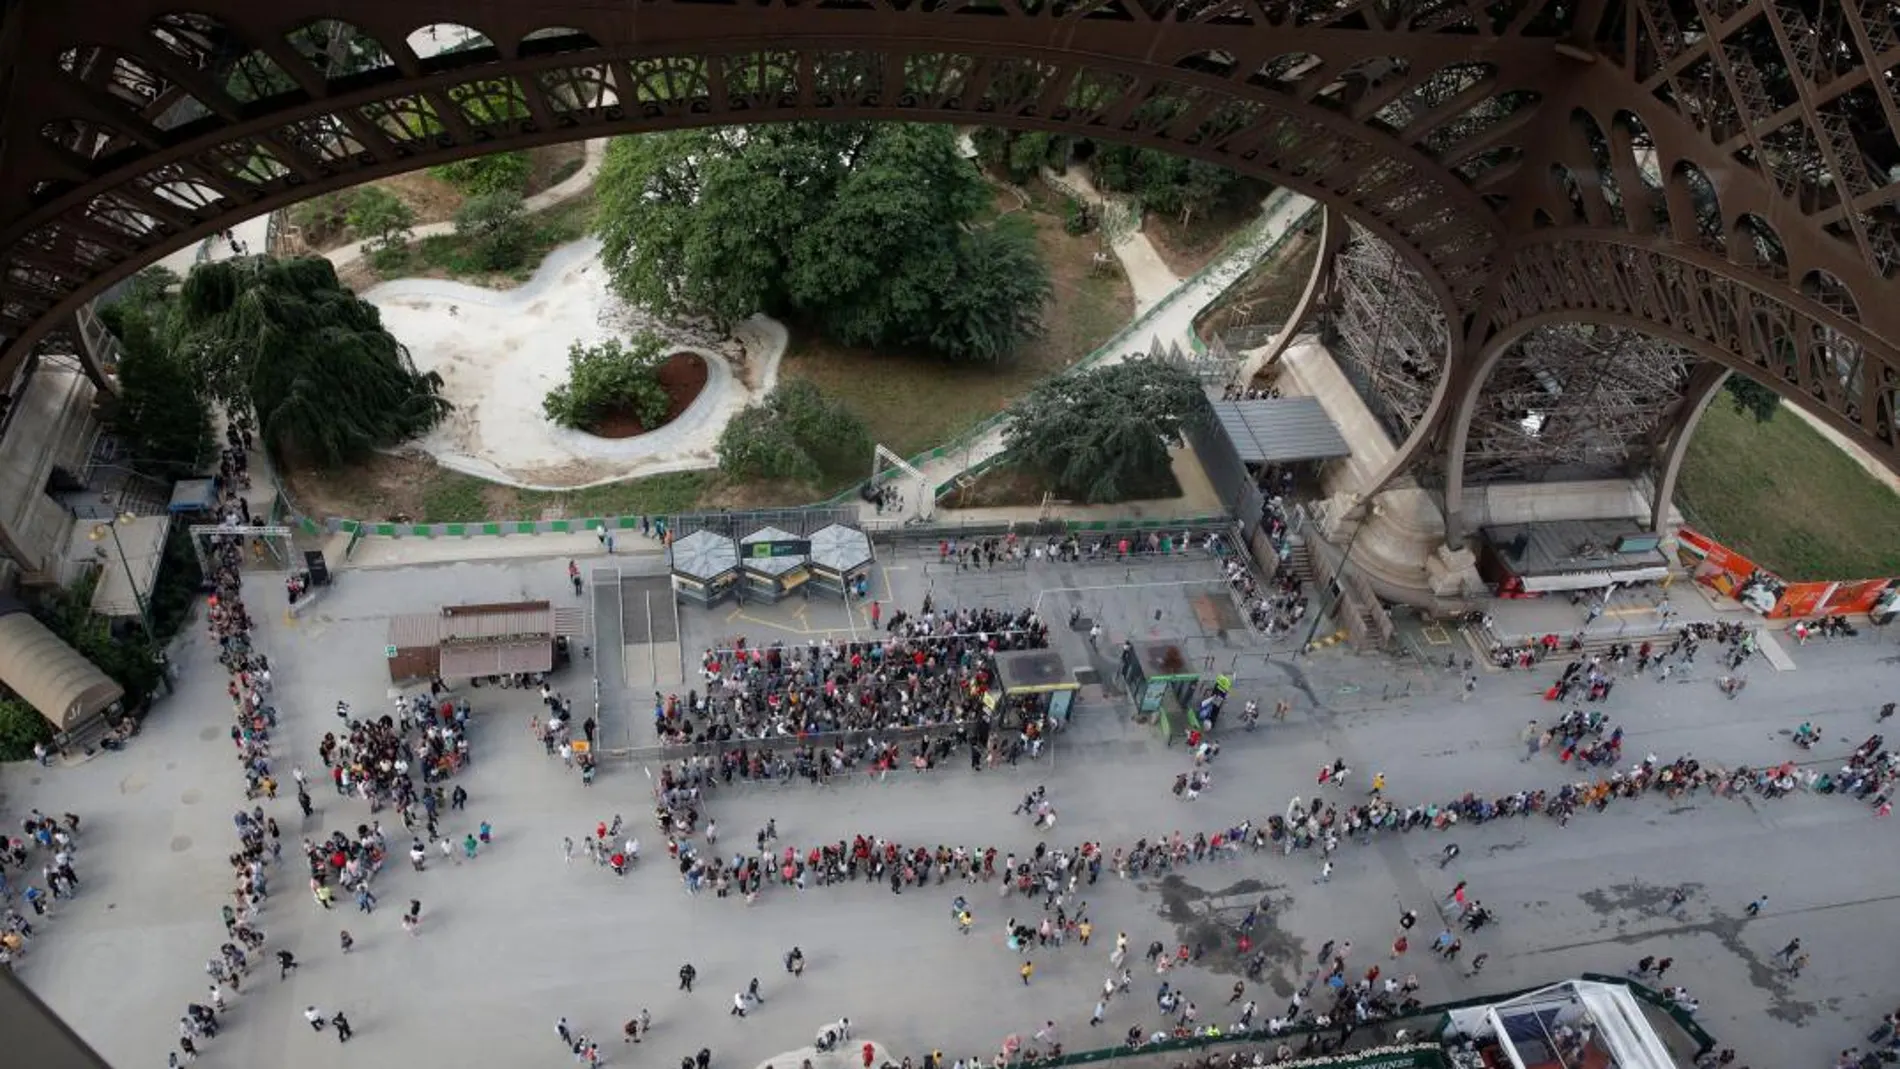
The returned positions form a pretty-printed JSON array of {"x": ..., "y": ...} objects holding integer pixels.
[{"x": 1484, "y": 141}]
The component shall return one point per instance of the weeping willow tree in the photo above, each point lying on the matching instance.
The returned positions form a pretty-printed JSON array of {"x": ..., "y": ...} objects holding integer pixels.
[{"x": 285, "y": 339}]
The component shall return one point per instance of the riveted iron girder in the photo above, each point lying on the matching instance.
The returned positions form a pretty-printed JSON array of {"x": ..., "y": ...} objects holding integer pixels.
[{"x": 1721, "y": 173}]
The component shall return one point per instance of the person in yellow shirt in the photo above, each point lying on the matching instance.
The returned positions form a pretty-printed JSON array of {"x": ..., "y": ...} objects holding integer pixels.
[
  {"x": 1028, "y": 970},
  {"x": 1378, "y": 783},
  {"x": 964, "y": 920},
  {"x": 1083, "y": 930}
]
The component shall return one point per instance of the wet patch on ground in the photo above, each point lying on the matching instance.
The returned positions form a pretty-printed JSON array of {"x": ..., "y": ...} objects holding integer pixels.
[
  {"x": 1210, "y": 918},
  {"x": 1652, "y": 901}
]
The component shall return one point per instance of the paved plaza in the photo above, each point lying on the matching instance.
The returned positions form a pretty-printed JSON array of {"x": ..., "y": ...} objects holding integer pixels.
[{"x": 515, "y": 939}]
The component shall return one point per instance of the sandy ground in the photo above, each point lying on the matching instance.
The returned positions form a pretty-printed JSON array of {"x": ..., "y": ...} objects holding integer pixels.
[{"x": 500, "y": 352}]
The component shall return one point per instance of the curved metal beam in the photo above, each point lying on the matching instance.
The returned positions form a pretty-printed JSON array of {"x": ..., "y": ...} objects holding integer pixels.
[
  {"x": 1333, "y": 232},
  {"x": 1704, "y": 386},
  {"x": 1488, "y": 143}
]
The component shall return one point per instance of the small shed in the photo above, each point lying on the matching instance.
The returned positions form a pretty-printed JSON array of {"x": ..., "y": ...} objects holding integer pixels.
[
  {"x": 840, "y": 557},
  {"x": 1163, "y": 681},
  {"x": 705, "y": 567},
  {"x": 473, "y": 641},
  {"x": 774, "y": 563},
  {"x": 67, "y": 688},
  {"x": 496, "y": 640},
  {"x": 1036, "y": 685},
  {"x": 193, "y": 497}
]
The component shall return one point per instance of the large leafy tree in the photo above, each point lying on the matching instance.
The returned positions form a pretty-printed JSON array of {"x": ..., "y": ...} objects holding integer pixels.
[
  {"x": 867, "y": 232},
  {"x": 1103, "y": 435},
  {"x": 1163, "y": 182},
  {"x": 161, "y": 413},
  {"x": 285, "y": 338}
]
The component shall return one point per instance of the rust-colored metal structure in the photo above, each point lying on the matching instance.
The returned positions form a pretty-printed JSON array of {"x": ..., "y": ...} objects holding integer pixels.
[{"x": 1717, "y": 175}]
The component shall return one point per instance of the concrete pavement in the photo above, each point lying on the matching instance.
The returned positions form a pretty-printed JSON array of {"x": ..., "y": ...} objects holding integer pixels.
[{"x": 517, "y": 938}]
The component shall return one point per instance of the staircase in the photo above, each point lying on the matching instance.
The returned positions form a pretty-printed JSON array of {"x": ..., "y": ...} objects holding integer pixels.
[{"x": 1300, "y": 561}]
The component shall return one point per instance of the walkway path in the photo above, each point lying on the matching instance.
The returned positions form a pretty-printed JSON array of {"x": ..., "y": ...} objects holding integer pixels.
[
  {"x": 573, "y": 186},
  {"x": 1168, "y": 319},
  {"x": 1148, "y": 274}
]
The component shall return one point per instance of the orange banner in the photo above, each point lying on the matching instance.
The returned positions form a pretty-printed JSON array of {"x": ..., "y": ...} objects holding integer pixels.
[{"x": 1728, "y": 572}]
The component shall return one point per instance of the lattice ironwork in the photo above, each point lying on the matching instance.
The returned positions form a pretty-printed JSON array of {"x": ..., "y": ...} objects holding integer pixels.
[
  {"x": 1386, "y": 330},
  {"x": 1574, "y": 401},
  {"x": 1481, "y": 140}
]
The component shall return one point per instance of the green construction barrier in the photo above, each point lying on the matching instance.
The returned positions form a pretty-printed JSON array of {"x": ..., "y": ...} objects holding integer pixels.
[
  {"x": 385, "y": 530},
  {"x": 558, "y": 527},
  {"x": 491, "y": 528},
  {"x": 423, "y": 530},
  {"x": 455, "y": 530},
  {"x": 525, "y": 527}
]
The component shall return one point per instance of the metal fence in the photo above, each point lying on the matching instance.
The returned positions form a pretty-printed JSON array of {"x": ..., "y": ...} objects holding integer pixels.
[{"x": 800, "y": 521}]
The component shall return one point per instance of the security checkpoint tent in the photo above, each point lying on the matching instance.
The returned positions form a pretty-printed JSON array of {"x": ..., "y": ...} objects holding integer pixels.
[
  {"x": 49, "y": 675},
  {"x": 705, "y": 567},
  {"x": 840, "y": 556},
  {"x": 1576, "y": 1022},
  {"x": 769, "y": 576}
]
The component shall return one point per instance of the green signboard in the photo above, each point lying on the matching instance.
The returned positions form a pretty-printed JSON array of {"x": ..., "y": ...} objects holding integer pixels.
[{"x": 767, "y": 550}]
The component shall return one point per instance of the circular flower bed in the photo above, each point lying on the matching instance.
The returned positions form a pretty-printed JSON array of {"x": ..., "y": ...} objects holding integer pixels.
[{"x": 682, "y": 375}]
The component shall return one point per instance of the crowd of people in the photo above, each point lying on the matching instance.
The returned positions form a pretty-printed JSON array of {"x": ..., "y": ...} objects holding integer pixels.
[
  {"x": 52, "y": 844},
  {"x": 928, "y": 670}
]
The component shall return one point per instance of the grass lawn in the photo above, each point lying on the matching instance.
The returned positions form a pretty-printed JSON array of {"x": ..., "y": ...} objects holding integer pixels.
[
  {"x": 912, "y": 401},
  {"x": 1188, "y": 248},
  {"x": 452, "y": 256},
  {"x": 417, "y": 489},
  {"x": 1784, "y": 497}
]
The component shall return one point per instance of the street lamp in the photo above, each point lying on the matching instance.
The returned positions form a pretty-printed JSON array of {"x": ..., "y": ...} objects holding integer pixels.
[{"x": 101, "y": 531}]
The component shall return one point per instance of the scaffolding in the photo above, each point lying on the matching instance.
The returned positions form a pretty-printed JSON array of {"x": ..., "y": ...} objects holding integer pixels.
[
  {"x": 1574, "y": 401},
  {"x": 1385, "y": 330}
]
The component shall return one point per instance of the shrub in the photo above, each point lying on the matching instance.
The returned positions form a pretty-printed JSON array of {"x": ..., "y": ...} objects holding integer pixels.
[
  {"x": 497, "y": 227},
  {"x": 500, "y": 172},
  {"x": 608, "y": 376},
  {"x": 322, "y": 219},
  {"x": 381, "y": 218},
  {"x": 21, "y": 726},
  {"x": 796, "y": 433}
]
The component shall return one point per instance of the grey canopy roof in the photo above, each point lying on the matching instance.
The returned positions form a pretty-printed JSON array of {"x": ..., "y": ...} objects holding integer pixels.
[
  {"x": 840, "y": 549},
  {"x": 704, "y": 556},
  {"x": 1279, "y": 430}
]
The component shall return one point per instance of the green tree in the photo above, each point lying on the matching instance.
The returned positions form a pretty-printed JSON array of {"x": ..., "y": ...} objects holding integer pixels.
[
  {"x": 382, "y": 218},
  {"x": 1103, "y": 435},
  {"x": 1751, "y": 398},
  {"x": 67, "y": 613},
  {"x": 21, "y": 726},
  {"x": 497, "y": 172},
  {"x": 608, "y": 376},
  {"x": 286, "y": 339},
  {"x": 1161, "y": 181},
  {"x": 324, "y": 218},
  {"x": 161, "y": 413},
  {"x": 857, "y": 229},
  {"x": 497, "y": 225},
  {"x": 1002, "y": 288},
  {"x": 1019, "y": 154},
  {"x": 795, "y": 433}
]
